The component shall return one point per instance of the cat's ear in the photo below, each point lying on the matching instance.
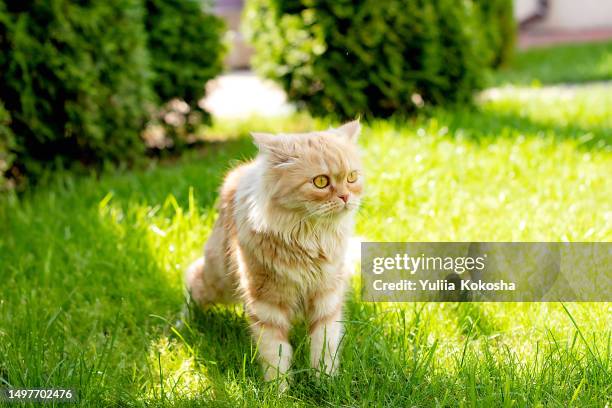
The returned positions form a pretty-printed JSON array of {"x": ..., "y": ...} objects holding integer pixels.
[
  {"x": 275, "y": 147},
  {"x": 350, "y": 130},
  {"x": 265, "y": 141}
]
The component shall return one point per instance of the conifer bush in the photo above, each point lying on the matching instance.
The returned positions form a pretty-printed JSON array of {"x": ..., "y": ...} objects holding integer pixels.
[
  {"x": 75, "y": 79},
  {"x": 186, "y": 48},
  {"x": 499, "y": 27},
  {"x": 7, "y": 141},
  {"x": 184, "y": 40},
  {"x": 81, "y": 80},
  {"x": 345, "y": 58}
]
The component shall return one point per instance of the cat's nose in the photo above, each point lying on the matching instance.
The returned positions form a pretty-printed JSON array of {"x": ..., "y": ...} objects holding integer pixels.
[{"x": 343, "y": 197}]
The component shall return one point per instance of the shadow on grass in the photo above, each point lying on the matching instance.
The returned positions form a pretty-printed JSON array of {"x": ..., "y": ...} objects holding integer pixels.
[
  {"x": 223, "y": 335},
  {"x": 84, "y": 287},
  {"x": 379, "y": 362},
  {"x": 77, "y": 308},
  {"x": 202, "y": 169}
]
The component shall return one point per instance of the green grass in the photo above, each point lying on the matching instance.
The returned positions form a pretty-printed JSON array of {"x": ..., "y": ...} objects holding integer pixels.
[
  {"x": 91, "y": 269},
  {"x": 568, "y": 63}
]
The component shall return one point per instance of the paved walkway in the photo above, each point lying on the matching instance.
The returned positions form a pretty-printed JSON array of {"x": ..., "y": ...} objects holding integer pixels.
[
  {"x": 535, "y": 38},
  {"x": 240, "y": 94},
  {"x": 558, "y": 91}
]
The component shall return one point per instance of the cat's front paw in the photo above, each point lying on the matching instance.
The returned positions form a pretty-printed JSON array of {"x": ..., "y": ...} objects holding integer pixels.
[
  {"x": 282, "y": 382},
  {"x": 329, "y": 368},
  {"x": 283, "y": 386}
]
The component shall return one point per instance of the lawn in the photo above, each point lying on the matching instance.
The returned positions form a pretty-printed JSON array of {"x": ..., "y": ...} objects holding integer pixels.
[
  {"x": 566, "y": 63},
  {"x": 91, "y": 267}
]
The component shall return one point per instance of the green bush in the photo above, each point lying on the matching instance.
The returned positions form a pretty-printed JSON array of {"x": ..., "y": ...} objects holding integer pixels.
[
  {"x": 346, "y": 58},
  {"x": 82, "y": 79},
  {"x": 462, "y": 49},
  {"x": 499, "y": 27},
  {"x": 7, "y": 142},
  {"x": 185, "y": 46},
  {"x": 184, "y": 41},
  {"x": 75, "y": 79}
]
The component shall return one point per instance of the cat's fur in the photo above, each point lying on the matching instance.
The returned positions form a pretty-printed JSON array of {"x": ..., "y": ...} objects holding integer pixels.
[{"x": 279, "y": 242}]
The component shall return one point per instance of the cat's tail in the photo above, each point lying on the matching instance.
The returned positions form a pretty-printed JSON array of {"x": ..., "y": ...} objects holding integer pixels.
[
  {"x": 192, "y": 291},
  {"x": 194, "y": 282}
]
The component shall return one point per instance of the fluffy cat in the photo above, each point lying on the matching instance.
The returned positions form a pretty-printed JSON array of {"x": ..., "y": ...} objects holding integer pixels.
[{"x": 279, "y": 242}]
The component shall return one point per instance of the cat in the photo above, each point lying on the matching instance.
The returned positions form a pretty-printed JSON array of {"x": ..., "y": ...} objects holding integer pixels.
[{"x": 278, "y": 245}]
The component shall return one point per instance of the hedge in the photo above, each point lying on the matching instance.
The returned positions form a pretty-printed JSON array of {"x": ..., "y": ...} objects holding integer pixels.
[
  {"x": 186, "y": 49},
  {"x": 7, "y": 142},
  {"x": 185, "y": 46},
  {"x": 499, "y": 27},
  {"x": 346, "y": 58},
  {"x": 463, "y": 51},
  {"x": 75, "y": 80},
  {"x": 82, "y": 79}
]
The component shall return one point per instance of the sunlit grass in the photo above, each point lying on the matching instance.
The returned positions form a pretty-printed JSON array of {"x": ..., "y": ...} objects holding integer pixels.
[
  {"x": 434, "y": 188},
  {"x": 91, "y": 269},
  {"x": 175, "y": 372}
]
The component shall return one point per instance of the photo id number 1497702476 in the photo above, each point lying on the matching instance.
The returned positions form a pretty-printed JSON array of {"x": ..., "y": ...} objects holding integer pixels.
[{"x": 38, "y": 395}]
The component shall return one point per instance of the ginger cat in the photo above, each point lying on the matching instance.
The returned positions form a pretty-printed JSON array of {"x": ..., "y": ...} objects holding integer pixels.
[{"x": 279, "y": 243}]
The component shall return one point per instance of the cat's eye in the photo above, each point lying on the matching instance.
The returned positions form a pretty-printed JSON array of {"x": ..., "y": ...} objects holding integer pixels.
[
  {"x": 321, "y": 181},
  {"x": 352, "y": 176}
]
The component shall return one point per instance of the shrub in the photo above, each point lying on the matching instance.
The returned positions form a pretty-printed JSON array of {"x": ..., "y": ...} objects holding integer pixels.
[
  {"x": 81, "y": 79},
  {"x": 75, "y": 79},
  {"x": 185, "y": 46},
  {"x": 499, "y": 27},
  {"x": 346, "y": 58},
  {"x": 184, "y": 42},
  {"x": 7, "y": 142},
  {"x": 462, "y": 51}
]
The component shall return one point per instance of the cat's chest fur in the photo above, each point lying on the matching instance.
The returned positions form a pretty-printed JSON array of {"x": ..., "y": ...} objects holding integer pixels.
[
  {"x": 282, "y": 256},
  {"x": 301, "y": 258}
]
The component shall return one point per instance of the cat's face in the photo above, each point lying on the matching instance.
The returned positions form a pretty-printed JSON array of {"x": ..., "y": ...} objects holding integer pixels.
[{"x": 317, "y": 174}]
